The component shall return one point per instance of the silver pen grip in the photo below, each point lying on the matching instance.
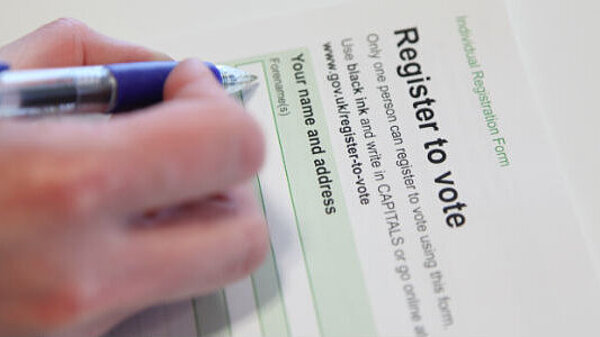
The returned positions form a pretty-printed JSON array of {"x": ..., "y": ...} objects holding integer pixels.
[{"x": 56, "y": 91}]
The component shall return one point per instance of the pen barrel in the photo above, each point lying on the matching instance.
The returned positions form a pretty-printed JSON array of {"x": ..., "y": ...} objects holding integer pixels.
[
  {"x": 111, "y": 88},
  {"x": 139, "y": 84},
  {"x": 56, "y": 91}
]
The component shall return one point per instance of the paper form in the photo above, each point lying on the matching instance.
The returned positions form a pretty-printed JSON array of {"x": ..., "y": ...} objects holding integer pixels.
[{"x": 409, "y": 187}]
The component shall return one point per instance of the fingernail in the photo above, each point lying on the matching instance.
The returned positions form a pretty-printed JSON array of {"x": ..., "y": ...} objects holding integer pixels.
[{"x": 158, "y": 56}]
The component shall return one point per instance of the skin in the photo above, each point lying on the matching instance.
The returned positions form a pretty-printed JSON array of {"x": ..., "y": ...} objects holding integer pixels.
[{"x": 103, "y": 218}]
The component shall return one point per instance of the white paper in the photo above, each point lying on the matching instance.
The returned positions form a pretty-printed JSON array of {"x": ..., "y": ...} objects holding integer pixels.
[{"x": 409, "y": 185}]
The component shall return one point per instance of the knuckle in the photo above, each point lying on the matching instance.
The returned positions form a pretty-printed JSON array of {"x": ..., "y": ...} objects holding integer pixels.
[
  {"x": 67, "y": 24},
  {"x": 60, "y": 305},
  {"x": 83, "y": 193},
  {"x": 69, "y": 34},
  {"x": 64, "y": 306},
  {"x": 74, "y": 194}
]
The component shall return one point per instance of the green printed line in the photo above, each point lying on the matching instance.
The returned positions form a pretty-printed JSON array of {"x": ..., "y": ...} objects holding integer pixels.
[
  {"x": 227, "y": 317},
  {"x": 271, "y": 318},
  {"x": 212, "y": 315},
  {"x": 310, "y": 281},
  {"x": 256, "y": 306},
  {"x": 254, "y": 290},
  {"x": 262, "y": 63},
  {"x": 333, "y": 267},
  {"x": 275, "y": 267},
  {"x": 297, "y": 222},
  {"x": 353, "y": 244},
  {"x": 196, "y": 320}
]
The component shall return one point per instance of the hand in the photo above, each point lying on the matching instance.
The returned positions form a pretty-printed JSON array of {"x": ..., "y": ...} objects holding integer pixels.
[{"x": 100, "y": 219}]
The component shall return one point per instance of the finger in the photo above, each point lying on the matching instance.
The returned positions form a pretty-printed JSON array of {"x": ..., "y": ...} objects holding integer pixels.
[
  {"x": 180, "y": 150},
  {"x": 201, "y": 250},
  {"x": 196, "y": 143},
  {"x": 194, "y": 81},
  {"x": 68, "y": 42}
]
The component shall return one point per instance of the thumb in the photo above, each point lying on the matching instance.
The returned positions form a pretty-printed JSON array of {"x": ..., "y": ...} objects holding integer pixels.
[{"x": 69, "y": 42}]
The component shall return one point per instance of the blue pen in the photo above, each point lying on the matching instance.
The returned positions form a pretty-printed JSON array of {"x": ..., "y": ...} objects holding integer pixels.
[{"x": 109, "y": 88}]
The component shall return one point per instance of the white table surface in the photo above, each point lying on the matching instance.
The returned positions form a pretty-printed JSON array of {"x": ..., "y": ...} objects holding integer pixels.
[{"x": 559, "y": 42}]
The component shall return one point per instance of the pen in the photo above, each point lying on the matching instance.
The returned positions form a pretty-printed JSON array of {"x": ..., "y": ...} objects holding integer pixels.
[{"x": 109, "y": 88}]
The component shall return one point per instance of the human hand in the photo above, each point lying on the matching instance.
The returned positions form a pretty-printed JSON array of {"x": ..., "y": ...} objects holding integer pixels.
[{"x": 102, "y": 219}]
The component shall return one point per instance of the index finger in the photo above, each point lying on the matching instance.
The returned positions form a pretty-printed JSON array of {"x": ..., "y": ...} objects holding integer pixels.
[
  {"x": 68, "y": 42},
  {"x": 197, "y": 142}
]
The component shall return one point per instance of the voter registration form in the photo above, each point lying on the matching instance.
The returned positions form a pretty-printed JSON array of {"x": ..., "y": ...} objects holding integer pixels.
[{"x": 409, "y": 186}]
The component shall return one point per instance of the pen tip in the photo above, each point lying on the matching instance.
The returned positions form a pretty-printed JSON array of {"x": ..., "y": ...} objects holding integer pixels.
[{"x": 235, "y": 79}]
